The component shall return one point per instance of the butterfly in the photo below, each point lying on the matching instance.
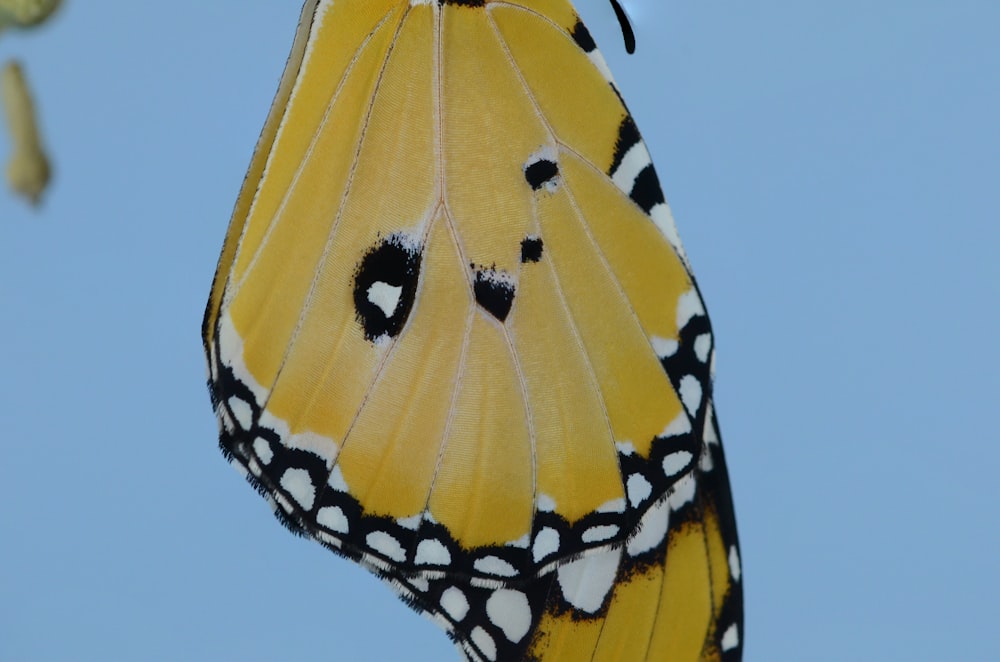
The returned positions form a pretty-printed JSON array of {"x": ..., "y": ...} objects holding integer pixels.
[{"x": 454, "y": 337}]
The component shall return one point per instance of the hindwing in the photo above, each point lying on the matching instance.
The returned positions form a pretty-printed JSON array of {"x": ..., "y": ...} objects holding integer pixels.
[{"x": 454, "y": 336}]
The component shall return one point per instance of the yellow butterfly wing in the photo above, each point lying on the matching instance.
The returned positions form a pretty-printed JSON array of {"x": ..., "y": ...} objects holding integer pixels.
[{"x": 453, "y": 336}]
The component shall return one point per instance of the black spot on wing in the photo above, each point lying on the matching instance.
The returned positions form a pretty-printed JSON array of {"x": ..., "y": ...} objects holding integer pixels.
[
  {"x": 581, "y": 35},
  {"x": 494, "y": 292},
  {"x": 646, "y": 189},
  {"x": 628, "y": 136},
  {"x": 463, "y": 3},
  {"x": 531, "y": 249},
  {"x": 542, "y": 172},
  {"x": 391, "y": 265}
]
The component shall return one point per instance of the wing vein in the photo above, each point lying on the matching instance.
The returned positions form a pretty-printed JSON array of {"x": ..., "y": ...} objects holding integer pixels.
[
  {"x": 450, "y": 224},
  {"x": 279, "y": 213},
  {"x": 310, "y": 295},
  {"x": 560, "y": 291}
]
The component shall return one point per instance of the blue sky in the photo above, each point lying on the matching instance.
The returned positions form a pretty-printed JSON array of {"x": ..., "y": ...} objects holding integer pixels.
[{"x": 833, "y": 168}]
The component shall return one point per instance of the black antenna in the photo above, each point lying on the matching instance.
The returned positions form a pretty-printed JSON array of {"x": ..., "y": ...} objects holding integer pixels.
[{"x": 627, "y": 33}]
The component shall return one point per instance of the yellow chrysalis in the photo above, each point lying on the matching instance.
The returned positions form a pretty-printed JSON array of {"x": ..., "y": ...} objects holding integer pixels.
[
  {"x": 453, "y": 336},
  {"x": 26, "y": 13},
  {"x": 28, "y": 169}
]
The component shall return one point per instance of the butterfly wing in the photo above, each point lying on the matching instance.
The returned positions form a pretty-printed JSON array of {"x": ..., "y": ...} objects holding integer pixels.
[
  {"x": 676, "y": 591},
  {"x": 453, "y": 334}
]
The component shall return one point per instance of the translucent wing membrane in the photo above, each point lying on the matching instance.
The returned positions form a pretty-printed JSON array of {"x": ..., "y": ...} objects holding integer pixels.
[{"x": 453, "y": 336}]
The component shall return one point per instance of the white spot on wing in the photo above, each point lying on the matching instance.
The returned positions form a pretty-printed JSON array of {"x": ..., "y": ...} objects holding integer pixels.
[
  {"x": 652, "y": 529},
  {"x": 682, "y": 491},
  {"x": 410, "y": 523},
  {"x": 269, "y": 420},
  {"x": 545, "y": 503},
  {"x": 385, "y": 296},
  {"x": 333, "y": 518},
  {"x": 482, "y": 639},
  {"x": 639, "y": 489},
  {"x": 731, "y": 638},
  {"x": 734, "y": 563},
  {"x": 317, "y": 444},
  {"x": 298, "y": 484},
  {"x": 242, "y": 412},
  {"x": 585, "y": 583},
  {"x": 454, "y": 603},
  {"x": 383, "y": 543},
  {"x": 675, "y": 463},
  {"x": 710, "y": 435},
  {"x": 636, "y": 159},
  {"x": 690, "y": 392},
  {"x": 492, "y": 565},
  {"x": 664, "y": 347},
  {"x": 625, "y": 448},
  {"x": 664, "y": 220},
  {"x": 509, "y": 610},
  {"x": 599, "y": 533},
  {"x": 680, "y": 425},
  {"x": 702, "y": 346},
  {"x": 688, "y": 306},
  {"x": 602, "y": 66},
  {"x": 337, "y": 481},
  {"x": 613, "y": 506},
  {"x": 705, "y": 463},
  {"x": 231, "y": 351},
  {"x": 546, "y": 542},
  {"x": 432, "y": 552},
  {"x": 262, "y": 447}
]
